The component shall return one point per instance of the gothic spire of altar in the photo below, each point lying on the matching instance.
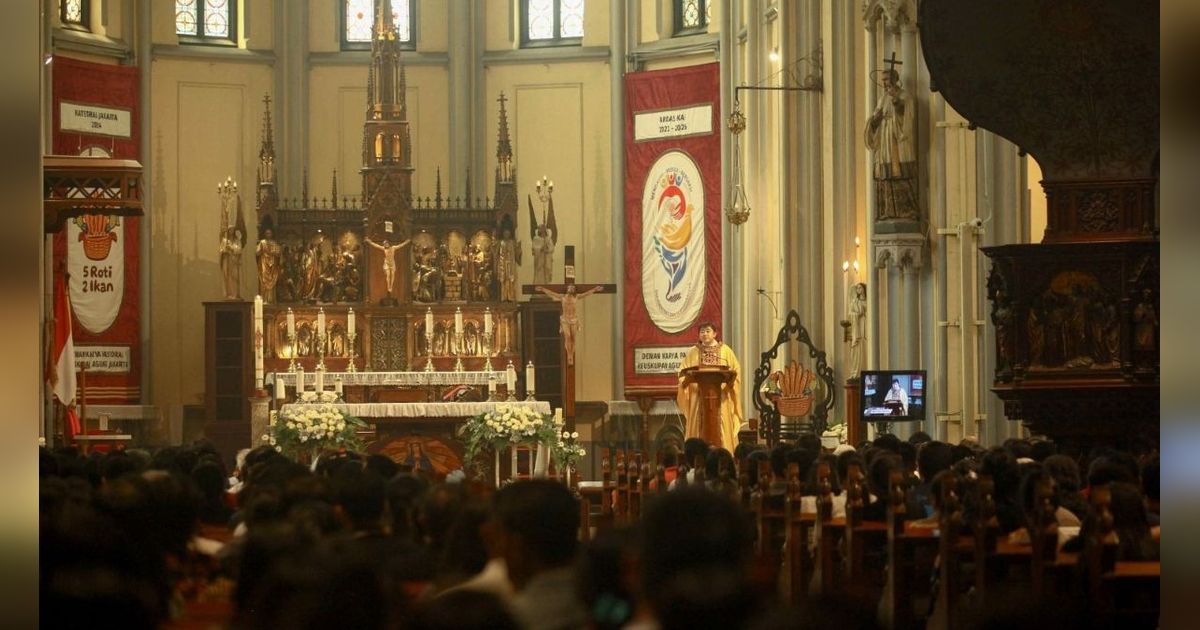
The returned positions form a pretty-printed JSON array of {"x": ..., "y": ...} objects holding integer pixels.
[{"x": 268, "y": 195}]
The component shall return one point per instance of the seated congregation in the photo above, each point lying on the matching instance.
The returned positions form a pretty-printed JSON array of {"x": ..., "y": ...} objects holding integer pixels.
[{"x": 894, "y": 534}]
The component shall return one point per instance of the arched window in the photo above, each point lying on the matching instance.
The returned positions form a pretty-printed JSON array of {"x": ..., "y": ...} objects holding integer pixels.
[
  {"x": 358, "y": 17},
  {"x": 692, "y": 16},
  {"x": 74, "y": 13},
  {"x": 551, "y": 23},
  {"x": 206, "y": 21}
]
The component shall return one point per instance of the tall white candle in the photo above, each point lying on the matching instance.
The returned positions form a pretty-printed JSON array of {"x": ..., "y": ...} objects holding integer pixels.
[
  {"x": 321, "y": 322},
  {"x": 529, "y": 378},
  {"x": 511, "y": 376},
  {"x": 337, "y": 386},
  {"x": 458, "y": 321},
  {"x": 491, "y": 387},
  {"x": 258, "y": 341},
  {"x": 558, "y": 415},
  {"x": 320, "y": 380},
  {"x": 299, "y": 379},
  {"x": 429, "y": 321},
  {"x": 280, "y": 389},
  {"x": 291, "y": 323},
  {"x": 350, "y": 321},
  {"x": 487, "y": 322}
]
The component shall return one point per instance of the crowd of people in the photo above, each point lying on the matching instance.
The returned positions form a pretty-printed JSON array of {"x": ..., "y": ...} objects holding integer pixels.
[{"x": 171, "y": 537}]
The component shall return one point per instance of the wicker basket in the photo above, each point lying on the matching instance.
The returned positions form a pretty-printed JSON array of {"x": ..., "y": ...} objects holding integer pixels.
[
  {"x": 794, "y": 406},
  {"x": 97, "y": 246}
]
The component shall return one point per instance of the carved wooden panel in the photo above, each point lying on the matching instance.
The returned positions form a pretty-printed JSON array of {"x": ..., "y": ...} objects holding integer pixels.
[{"x": 388, "y": 341}]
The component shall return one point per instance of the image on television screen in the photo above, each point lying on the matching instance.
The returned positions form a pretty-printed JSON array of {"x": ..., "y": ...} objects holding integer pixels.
[{"x": 893, "y": 395}]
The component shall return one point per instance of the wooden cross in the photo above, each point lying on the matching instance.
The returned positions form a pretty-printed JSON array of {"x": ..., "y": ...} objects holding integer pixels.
[
  {"x": 582, "y": 290},
  {"x": 892, "y": 63}
]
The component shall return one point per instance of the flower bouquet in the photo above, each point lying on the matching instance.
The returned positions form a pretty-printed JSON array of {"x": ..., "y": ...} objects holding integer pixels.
[
  {"x": 567, "y": 452},
  {"x": 505, "y": 427},
  {"x": 309, "y": 429},
  {"x": 313, "y": 396}
]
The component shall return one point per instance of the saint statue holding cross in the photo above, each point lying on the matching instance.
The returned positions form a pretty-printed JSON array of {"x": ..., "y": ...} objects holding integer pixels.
[{"x": 890, "y": 133}]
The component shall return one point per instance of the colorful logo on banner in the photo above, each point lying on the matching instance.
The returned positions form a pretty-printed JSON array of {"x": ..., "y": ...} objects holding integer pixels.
[
  {"x": 96, "y": 262},
  {"x": 673, "y": 257}
]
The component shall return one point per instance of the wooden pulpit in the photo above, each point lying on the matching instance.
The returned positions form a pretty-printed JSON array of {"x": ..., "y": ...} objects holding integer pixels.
[{"x": 710, "y": 378}]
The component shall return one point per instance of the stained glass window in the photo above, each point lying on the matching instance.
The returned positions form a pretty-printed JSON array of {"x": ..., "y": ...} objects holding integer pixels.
[
  {"x": 213, "y": 19},
  {"x": 74, "y": 12},
  {"x": 552, "y": 22},
  {"x": 358, "y": 17},
  {"x": 692, "y": 16}
]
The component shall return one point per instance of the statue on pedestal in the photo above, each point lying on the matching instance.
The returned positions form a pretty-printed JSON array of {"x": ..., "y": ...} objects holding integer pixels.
[
  {"x": 891, "y": 136},
  {"x": 543, "y": 237},
  {"x": 269, "y": 255},
  {"x": 507, "y": 257},
  {"x": 856, "y": 316},
  {"x": 233, "y": 238}
]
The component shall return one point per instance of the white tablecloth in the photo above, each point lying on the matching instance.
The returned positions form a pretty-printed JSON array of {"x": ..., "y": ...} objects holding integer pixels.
[
  {"x": 428, "y": 410},
  {"x": 410, "y": 379}
]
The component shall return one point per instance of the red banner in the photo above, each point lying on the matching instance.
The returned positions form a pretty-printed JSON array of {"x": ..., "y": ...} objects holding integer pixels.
[
  {"x": 672, "y": 219},
  {"x": 96, "y": 113}
]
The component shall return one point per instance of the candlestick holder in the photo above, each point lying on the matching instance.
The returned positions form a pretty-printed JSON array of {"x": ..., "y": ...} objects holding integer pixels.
[
  {"x": 292, "y": 344},
  {"x": 351, "y": 368},
  {"x": 321, "y": 338},
  {"x": 458, "y": 350},
  {"x": 428, "y": 350},
  {"x": 491, "y": 388},
  {"x": 487, "y": 350}
]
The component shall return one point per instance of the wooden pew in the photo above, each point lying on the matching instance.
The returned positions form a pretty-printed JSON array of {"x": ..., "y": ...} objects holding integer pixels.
[
  {"x": 797, "y": 571},
  {"x": 1043, "y": 536},
  {"x": 621, "y": 499},
  {"x": 946, "y": 609},
  {"x": 985, "y": 529},
  {"x": 826, "y": 530},
  {"x": 634, "y": 473}
]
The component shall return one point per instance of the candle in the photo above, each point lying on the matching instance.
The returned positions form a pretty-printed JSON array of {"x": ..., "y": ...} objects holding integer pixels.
[
  {"x": 491, "y": 387},
  {"x": 337, "y": 386},
  {"x": 321, "y": 322},
  {"x": 511, "y": 378},
  {"x": 258, "y": 341},
  {"x": 291, "y": 321},
  {"x": 458, "y": 321},
  {"x": 558, "y": 419},
  {"x": 487, "y": 322},
  {"x": 429, "y": 321},
  {"x": 529, "y": 378},
  {"x": 280, "y": 389},
  {"x": 299, "y": 379},
  {"x": 350, "y": 322},
  {"x": 320, "y": 381}
]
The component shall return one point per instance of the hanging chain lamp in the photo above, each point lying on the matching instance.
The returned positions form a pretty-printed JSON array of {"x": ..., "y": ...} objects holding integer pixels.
[{"x": 738, "y": 210}]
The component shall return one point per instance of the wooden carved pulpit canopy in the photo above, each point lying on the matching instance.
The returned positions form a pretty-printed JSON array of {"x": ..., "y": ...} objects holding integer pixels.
[
  {"x": 796, "y": 399},
  {"x": 1075, "y": 316},
  {"x": 75, "y": 186}
]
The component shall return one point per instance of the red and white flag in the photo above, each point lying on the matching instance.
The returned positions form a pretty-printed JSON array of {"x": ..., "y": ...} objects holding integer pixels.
[{"x": 62, "y": 371}]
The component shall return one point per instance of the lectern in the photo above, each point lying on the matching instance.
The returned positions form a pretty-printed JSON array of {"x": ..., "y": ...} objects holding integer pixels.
[{"x": 710, "y": 378}]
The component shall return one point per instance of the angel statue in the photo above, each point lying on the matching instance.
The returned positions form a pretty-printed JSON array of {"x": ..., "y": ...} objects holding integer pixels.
[
  {"x": 233, "y": 238},
  {"x": 543, "y": 237}
]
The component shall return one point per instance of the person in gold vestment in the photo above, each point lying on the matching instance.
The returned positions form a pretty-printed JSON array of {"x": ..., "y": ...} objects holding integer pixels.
[{"x": 710, "y": 351}]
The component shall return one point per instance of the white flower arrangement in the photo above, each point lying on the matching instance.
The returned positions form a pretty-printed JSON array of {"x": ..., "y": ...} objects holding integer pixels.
[
  {"x": 567, "y": 452},
  {"x": 509, "y": 425},
  {"x": 312, "y": 428}
]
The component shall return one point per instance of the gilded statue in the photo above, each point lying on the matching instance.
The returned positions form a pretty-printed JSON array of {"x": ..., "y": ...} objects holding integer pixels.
[
  {"x": 508, "y": 258},
  {"x": 427, "y": 277},
  {"x": 856, "y": 314},
  {"x": 891, "y": 136},
  {"x": 479, "y": 272},
  {"x": 270, "y": 264},
  {"x": 543, "y": 237},
  {"x": 233, "y": 238}
]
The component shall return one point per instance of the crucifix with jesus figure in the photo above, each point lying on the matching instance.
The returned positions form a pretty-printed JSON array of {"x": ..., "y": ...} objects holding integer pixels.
[{"x": 568, "y": 294}]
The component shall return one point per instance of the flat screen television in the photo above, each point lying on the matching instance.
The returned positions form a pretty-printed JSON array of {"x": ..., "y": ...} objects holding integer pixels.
[{"x": 893, "y": 395}]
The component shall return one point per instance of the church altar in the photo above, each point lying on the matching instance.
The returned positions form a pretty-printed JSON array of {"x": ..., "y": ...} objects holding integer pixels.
[
  {"x": 398, "y": 379},
  {"x": 421, "y": 410}
]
